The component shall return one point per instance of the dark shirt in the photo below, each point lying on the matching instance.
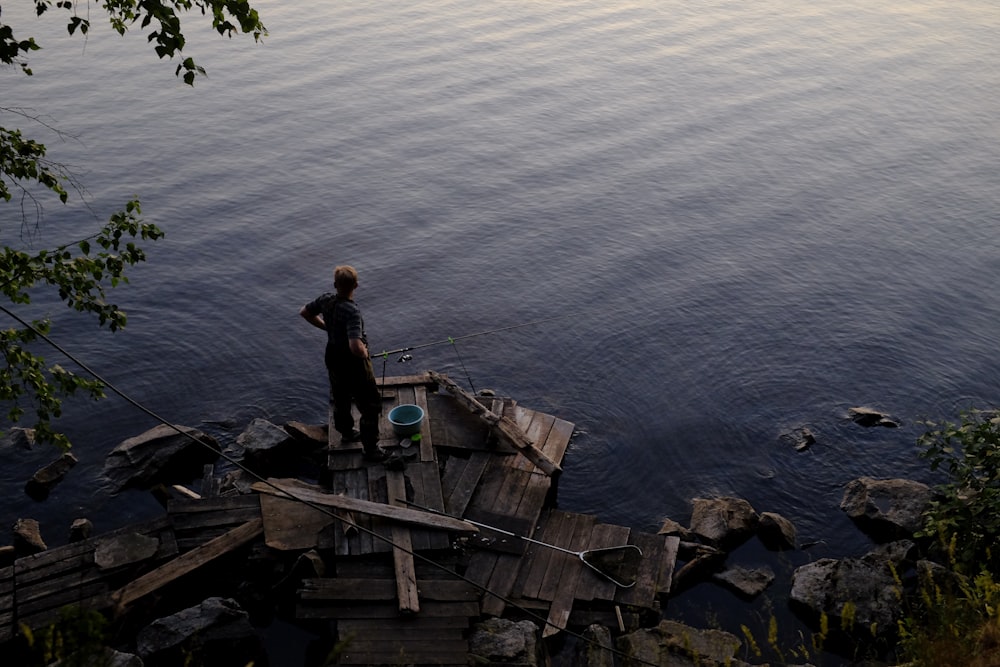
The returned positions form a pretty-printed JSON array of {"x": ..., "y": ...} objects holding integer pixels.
[{"x": 342, "y": 318}]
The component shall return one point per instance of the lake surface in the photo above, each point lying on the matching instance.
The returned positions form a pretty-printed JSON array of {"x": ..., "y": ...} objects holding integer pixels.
[{"x": 748, "y": 216}]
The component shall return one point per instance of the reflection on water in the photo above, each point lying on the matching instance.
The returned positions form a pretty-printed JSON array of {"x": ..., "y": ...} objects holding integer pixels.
[{"x": 759, "y": 215}]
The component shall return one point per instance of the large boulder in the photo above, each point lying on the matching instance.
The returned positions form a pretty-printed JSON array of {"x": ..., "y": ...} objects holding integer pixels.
[
  {"x": 46, "y": 477},
  {"x": 724, "y": 522},
  {"x": 28, "y": 537},
  {"x": 886, "y": 509},
  {"x": 596, "y": 649},
  {"x": 17, "y": 437},
  {"x": 215, "y": 632},
  {"x": 859, "y": 592},
  {"x": 672, "y": 644},
  {"x": 263, "y": 444},
  {"x": 502, "y": 641},
  {"x": 158, "y": 453},
  {"x": 776, "y": 532}
]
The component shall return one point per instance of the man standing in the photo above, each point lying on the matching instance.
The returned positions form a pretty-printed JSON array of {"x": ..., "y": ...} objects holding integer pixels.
[{"x": 347, "y": 362}]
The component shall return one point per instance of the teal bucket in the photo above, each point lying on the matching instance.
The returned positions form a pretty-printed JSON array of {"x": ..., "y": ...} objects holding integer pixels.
[{"x": 406, "y": 420}]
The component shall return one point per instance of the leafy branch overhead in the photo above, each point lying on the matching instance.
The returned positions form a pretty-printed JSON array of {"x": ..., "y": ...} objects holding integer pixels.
[
  {"x": 160, "y": 18},
  {"x": 82, "y": 271}
]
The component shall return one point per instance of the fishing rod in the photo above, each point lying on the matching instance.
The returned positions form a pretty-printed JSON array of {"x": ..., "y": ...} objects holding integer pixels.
[{"x": 454, "y": 339}]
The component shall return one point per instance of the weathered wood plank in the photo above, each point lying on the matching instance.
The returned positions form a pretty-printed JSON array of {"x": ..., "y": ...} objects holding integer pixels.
[
  {"x": 220, "y": 504},
  {"x": 562, "y": 602},
  {"x": 503, "y": 427},
  {"x": 643, "y": 594},
  {"x": 428, "y": 609},
  {"x": 565, "y": 525},
  {"x": 346, "y": 589},
  {"x": 404, "y": 514},
  {"x": 558, "y": 439},
  {"x": 187, "y": 562},
  {"x": 290, "y": 525},
  {"x": 537, "y": 430},
  {"x": 402, "y": 551},
  {"x": 395, "y": 381},
  {"x": 426, "y": 432},
  {"x": 378, "y": 492},
  {"x": 465, "y": 481},
  {"x": 668, "y": 561},
  {"x": 597, "y": 587}
]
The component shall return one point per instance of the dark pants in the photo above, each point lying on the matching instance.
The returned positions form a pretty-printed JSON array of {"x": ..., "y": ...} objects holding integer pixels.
[{"x": 353, "y": 381}]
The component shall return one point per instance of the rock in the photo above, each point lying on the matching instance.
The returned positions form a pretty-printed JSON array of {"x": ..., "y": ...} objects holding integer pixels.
[
  {"x": 238, "y": 480},
  {"x": 217, "y": 631},
  {"x": 46, "y": 478},
  {"x": 596, "y": 650},
  {"x": 674, "y": 644},
  {"x": 262, "y": 443},
  {"x": 18, "y": 438},
  {"x": 865, "y": 586},
  {"x": 724, "y": 522},
  {"x": 746, "y": 582},
  {"x": 318, "y": 434},
  {"x": 671, "y": 527},
  {"x": 159, "y": 452},
  {"x": 501, "y": 641},
  {"x": 699, "y": 566},
  {"x": 800, "y": 439},
  {"x": 124, "y": 550},
  {"x": 7, "y": 555},
  {"x": 886, "y": 509},
  {"x": 107, "y": 657},
  {"x": 28, "y": 537},
  {"x": 80, "y": 530},
  {"x": 867, "y": 417},
  {"x": 776, "y": 532}
]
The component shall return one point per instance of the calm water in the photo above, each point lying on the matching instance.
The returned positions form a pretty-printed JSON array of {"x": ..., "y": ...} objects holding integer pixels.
[{"x": 753, "y": 216}]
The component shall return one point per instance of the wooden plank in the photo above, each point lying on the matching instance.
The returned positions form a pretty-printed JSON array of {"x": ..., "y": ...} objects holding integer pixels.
[
  {"x": 290, "y": 525},
  {"x": 504, "y": 428},
  {"x": 345, "y": 589},
  {"x": 403, "y": 514},
  {"x": 395, "y": 381},
  {"x": 558, "y": 439},
  {"x": 465, "y": 482},
  {"x": 565, "y": 527},
  {"x": 668, "y": 561},
  {"x": 177, "y": 506},
  {"x": 381, "y": 541},
  {"x": 597, "y": 587},
  {"x": 536, "y": 431},
  {"x": 428, "y": 609},
  {"x": 426, "y": 435},
  {"x": 436, "y": 625},
  {"x": 402, "y": 551},
  {"x": 428, "y": 493},
  {"x": 643, "y": 594},
  {"x": 187, "y": 562},
  {"x": 562, "y": 602}
]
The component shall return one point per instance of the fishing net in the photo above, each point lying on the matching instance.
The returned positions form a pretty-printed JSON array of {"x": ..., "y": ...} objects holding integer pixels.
[{"x": 619, "y": 564}]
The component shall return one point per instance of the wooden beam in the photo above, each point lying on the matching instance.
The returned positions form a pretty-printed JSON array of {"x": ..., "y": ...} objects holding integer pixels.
[
  {"x": 402, "y": 550},
  {"x": 187, "y": 562},
  {"x": 505, "y": 429},
  {"x": 294, "y": 489}
]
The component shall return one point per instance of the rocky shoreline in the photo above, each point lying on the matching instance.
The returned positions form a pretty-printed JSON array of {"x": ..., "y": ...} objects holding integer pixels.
[{"x": 859, "y": 597}]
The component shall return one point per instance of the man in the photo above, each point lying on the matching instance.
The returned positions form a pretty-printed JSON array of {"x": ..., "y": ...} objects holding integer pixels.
[{"x": 347, "y": 362}]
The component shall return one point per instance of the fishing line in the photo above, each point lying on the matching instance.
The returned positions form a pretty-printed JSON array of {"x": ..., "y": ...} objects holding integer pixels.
[
  {"x": 467, "y": 376},
  {"x": 452, "y": 339},
  {"x": 282, "y": 492}
]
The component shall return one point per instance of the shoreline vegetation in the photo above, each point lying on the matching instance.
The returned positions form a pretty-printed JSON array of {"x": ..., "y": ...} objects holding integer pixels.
[{"x": 924, "y": 595}]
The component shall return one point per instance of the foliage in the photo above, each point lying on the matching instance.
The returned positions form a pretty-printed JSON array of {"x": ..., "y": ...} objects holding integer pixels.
[
  {"x": 78, "y": 272},
  {"x": 81, "y": 271},
  {"x": 75, "y": 640},
  {"x": 953, "y": 622},
  {"x": 228, "y": 18},
  {"x": 966, "y": 510}
]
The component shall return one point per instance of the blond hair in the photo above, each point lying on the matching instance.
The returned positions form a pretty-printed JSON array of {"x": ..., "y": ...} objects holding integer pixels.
[{"x": 345, "y": 278}]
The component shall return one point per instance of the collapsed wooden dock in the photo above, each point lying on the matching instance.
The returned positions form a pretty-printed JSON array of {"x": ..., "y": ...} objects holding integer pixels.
[{"x": 401, "y": 574}]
